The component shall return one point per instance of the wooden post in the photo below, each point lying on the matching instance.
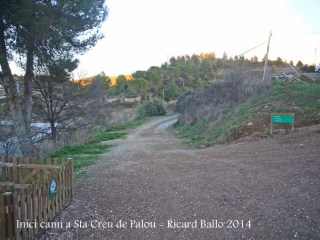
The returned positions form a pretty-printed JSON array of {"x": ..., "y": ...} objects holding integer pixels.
[
  {"x": 35, "y": 204},
  {"x": 29, "y": 212},
  {"x": 271, "y": 124},
  {"x": 292, "y": 123},
  {"x": 8, "y": 201},
  {"x": 16, "y": 201},
  {"x": 2, "y": 218},
  {"x": 44, "y": 191},
  {"x": 266, "y": 60},
  {"x": 23, "y": 211},
  {"x": 71, "y": 178}
]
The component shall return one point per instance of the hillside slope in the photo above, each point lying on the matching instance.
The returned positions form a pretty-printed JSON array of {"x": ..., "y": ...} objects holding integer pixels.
[{"x": 252, "y": 117}]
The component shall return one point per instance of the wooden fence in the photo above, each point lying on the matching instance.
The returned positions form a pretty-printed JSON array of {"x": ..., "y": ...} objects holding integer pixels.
[{"x": 25, "y": 204}]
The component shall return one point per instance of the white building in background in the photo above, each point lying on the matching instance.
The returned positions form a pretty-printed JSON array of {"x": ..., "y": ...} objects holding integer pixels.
[{"x": 11, "y": 146}]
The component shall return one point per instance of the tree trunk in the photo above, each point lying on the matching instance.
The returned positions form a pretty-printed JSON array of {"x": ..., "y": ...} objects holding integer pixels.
[
  {"x": 20, "y": 114},
  {"x": 28, "y": 146},
  {"x": 54, "y": 133},
  {"x": 20, "y": 106}
]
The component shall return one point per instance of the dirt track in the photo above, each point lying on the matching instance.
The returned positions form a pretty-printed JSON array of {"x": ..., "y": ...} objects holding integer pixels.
[{"x": 152, "y": 176}]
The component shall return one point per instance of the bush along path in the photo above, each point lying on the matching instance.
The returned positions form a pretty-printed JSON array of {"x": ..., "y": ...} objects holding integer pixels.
[{"x": 89, "y": 153}]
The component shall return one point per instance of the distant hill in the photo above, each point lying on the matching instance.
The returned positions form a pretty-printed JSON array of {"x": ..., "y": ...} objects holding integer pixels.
[{"x": 86, "y": 81}]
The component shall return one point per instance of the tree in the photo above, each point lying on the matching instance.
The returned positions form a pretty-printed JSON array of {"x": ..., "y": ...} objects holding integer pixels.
[
  {"x": 99, "y": 85},
  {"x": 210, "y": 55},
  {"x": 36, "y": 34},
  {"x": 225, "y": 56},
  {"x": 308, "y": 68},
  {"x": 195, "y": 60},
  {"x": 58, "y": 104},
  {"x": 254, "y": 60},
  {"x": 139, "y": 74},
  {"x": 171, "y": 91},
  {"x": 121, "y": 83},
  {"x": 138, "y": 86},
  {"x": 173, "y": 61},
  {"x": 153, "y": 77},
  {"x": 299, "y": 64},
  {"x": 279, "y": 61},
  {"x": 103, "y": 78},
  {"x": 82, "y": 74}
]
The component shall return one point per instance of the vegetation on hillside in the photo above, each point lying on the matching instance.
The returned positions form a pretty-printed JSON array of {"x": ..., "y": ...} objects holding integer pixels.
[
  {"x": 110, "y": 80},
  {"x": 227, "y": 122},
  {"x": 184, "y": 73}
]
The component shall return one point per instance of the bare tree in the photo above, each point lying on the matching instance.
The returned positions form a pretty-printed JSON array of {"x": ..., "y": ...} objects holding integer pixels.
[
  {"x": 60, "y": 104},
  {"x": 98, "y": 87},
  {"x": 82, "y": 74}
]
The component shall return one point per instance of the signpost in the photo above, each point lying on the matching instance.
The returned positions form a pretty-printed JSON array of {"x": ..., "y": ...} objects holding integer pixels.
[{"x": 282, "y": 118}]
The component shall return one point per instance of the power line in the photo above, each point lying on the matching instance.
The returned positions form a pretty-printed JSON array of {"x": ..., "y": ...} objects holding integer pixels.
[
  {"x": 311, "y": 32},
  {"x": 252, "y": 48}
]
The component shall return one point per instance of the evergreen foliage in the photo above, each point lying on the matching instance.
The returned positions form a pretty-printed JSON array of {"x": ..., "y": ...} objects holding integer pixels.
[
  {"x": 43, "y": 37},
  {"x": 150, "y": 109},
  {"x": 184, "y": 73}
]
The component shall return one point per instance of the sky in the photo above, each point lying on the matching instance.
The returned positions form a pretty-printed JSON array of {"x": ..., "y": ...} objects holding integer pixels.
[{"x": 144, "y": 33}]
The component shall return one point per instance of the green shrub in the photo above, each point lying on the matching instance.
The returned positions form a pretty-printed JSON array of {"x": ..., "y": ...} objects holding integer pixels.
[
  {"x": 171, "y": 91},
  {"x": 150, "y": 109}
]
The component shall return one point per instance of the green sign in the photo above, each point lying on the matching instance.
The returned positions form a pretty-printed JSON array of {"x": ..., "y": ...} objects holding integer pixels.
[
  {"x": 282, "y": 118},
  {"x": 53, "y": 188},
  {"x": 285, "y": 118}
]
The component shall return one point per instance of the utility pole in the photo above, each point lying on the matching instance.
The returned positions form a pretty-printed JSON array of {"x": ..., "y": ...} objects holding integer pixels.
[{"x": 266, "y": 60}]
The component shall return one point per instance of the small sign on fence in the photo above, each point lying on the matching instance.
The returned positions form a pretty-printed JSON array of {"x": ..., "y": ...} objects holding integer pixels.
[
  {"x": 53, "y": 188},
  {"x": 282, "y": 118},
  {"x": 32, "y": 190}
]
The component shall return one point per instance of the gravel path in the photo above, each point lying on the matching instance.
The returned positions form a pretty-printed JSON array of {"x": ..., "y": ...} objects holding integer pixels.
[{"x": 151, "y": 186}]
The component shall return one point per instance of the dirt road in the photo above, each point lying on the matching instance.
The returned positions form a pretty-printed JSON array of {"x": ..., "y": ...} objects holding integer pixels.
[{"x": 161, "y": 189}]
